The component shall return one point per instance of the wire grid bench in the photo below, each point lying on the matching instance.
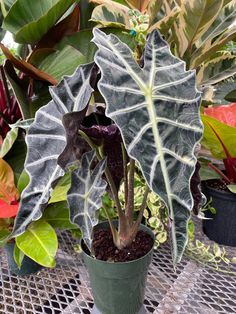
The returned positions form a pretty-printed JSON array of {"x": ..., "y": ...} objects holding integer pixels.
[{"x": 192, "y": 288}]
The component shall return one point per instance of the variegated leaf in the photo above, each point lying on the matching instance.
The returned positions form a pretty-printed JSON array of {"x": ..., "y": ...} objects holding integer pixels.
[
  {"x": 224, "y": 20},
  {"x": 157, "y": 110},
  {"x": 195, "y": 19},
  {"x": 166, "y": 22},
  {"x": 46, "y": 140},
  {"x": 217, "y": 70},
  {"x": 84, "y": 195}
]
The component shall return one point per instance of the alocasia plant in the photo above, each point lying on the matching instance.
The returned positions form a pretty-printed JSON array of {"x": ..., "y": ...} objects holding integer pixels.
[
  {"x": 155, "y": 108},
  {"x": 219, "y": 138}
]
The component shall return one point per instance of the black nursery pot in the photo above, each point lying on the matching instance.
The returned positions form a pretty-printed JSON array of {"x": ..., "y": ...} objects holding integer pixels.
[
  {"x": 222, "y": 227},
  {"x": 28, "y": 265},
  {"x": 118, "y": 288}
]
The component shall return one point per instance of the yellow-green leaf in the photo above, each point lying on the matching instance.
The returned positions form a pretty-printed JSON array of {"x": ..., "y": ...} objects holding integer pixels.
[{"x": 39, "y": 242}]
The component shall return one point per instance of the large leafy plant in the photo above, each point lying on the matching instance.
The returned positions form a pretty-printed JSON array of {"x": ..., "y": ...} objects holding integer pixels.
[
  {"x": 219, "y": 138},
  {"x": 149, "y": 110},
  {"x": 197, "y": 31}
]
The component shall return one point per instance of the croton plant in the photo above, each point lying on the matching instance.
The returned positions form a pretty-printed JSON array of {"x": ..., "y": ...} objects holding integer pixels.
[
  {"x": 147, "y": 117},
  {"x": 219, "y": 138}
]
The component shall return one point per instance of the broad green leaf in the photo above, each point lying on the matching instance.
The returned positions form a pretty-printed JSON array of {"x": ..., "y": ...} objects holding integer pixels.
[
  {"x": 225, "y": 132},
  {"x": 23, "y": 124},
  {"x": 23, "y": 181},
  {"x": 39, "y": 242},
  {"x": 217, "y": 70},
  {"x": 195, "y": 19},
  {"x": 61, "y": 63},
  {"x": 18, "y": 256},
  {"x": 82, "y": 41},
  {"x": 8, "y": 190},
  {"x": 108, "y": 16},
  {"x": 8, "y": 142},
  {"x": 46, "y": 140},
  {"x": 166, "y": 22},
  {"x": 232, "y": 187},
  {"x": 59, "y": 193},
  {"x": 58, "y": 216},
  {"x": 85, "y": 195},
  {"x": 157, "y": 111},
  {"x": 30, "y": 20}
]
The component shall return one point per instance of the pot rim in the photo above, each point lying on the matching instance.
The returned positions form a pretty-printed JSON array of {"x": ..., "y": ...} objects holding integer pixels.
[
  {"x": 120, "y": 263},
  {"x": 223, "y": 193}
]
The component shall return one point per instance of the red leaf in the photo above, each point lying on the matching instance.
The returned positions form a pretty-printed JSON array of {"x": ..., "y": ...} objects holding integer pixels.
[
  {"x": 225, "y": 114},
  {"x": 8, "y": 211}
]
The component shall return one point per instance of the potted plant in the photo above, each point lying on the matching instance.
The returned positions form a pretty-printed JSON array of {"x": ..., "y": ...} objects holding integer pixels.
[
  {"x": 146, "y": 118},
  {"x": 219, "y": 138}
]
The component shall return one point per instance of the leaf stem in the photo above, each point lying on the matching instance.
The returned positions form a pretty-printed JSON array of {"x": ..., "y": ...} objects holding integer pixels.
[
  {"x": 130, "y": 201},
  {"x": 113, "y": 229},
  {"x": 125, "y": 171},
  {"x": 217, "y": 170}
]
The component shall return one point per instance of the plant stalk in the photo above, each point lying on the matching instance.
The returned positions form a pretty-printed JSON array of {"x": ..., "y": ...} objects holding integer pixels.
[
  {"x": 211, "y": 166},
  {"x": 125, "y": 171},
  {"x": 129, "y": 211}
]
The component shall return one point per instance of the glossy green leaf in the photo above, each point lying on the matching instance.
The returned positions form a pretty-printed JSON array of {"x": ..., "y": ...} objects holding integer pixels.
[
  {"x": 23, "y": 181},
  {"x": 18, "y": 256},
  {"x": 232, "y": 187},
  {"x": 156, "y": 108},
  {"x": 61, "y": 63},
  {"x": 58, "y": 216},
  {"x": 39, "y": 242},
  {"x": 59, "y": 193},
  {"x": 225, "y": 132},
  {"x": 8, "y": 142},
  {"x": 30, "y": 20},
  {"x": 82, "y": 41}
]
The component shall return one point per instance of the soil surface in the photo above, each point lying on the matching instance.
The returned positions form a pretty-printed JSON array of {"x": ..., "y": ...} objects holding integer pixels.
[
  {"x": 105, "y": 249},
  {"x": 219, "y": 185}
]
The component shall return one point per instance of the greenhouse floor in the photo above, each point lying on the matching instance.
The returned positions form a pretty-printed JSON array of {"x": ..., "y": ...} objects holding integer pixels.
[{"x": 191, "y": 289}]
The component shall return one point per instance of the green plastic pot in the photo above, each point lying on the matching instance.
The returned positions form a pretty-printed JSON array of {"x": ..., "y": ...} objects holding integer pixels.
[
  {"x": 28, "y": 266},
  {"x": 118, "y": 288}
]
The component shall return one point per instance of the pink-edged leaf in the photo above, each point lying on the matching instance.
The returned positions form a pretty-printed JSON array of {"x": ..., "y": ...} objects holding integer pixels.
[
  {"x": 224, "y": 113},
  {"x": 8, "y": 211}
]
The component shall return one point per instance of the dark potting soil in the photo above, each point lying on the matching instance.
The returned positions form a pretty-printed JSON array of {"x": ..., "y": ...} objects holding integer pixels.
[
  {"x": 219, "y": 185},
  {"x": 105, "y": 249}
]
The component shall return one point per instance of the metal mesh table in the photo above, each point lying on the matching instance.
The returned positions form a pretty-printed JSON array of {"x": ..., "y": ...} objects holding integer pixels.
[{"x": 65, "y": 289}]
